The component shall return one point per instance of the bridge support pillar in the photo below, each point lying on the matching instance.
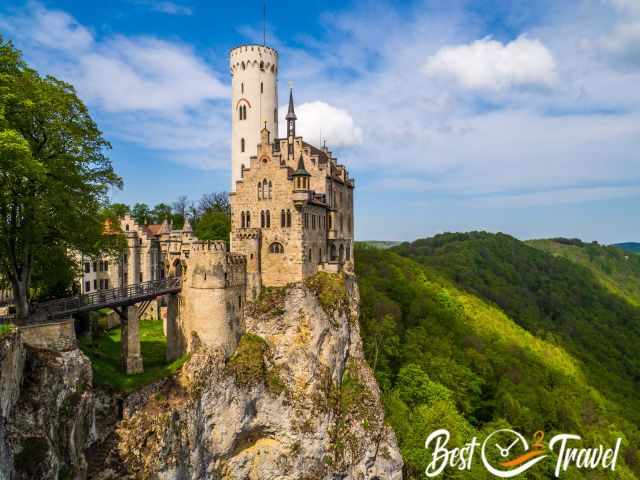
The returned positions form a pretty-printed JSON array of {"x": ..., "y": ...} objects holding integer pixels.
[
  {"x": 130, "y": 340},
  {"x": 173, "y": 337}
]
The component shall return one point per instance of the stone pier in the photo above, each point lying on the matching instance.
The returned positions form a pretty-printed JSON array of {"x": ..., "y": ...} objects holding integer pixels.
[
  {"x": 174, "y": 349},
  {"x": 130, "y": 340}
]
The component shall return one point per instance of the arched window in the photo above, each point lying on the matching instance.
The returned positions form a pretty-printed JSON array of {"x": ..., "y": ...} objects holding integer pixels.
[
  {"x": 242, "y": 65},
  {"x": 310, "y": 256},
  {"x": 288, "y": 218},
  {"x": 348, "y": 253},
  {"x": 270, "y": 189},
  {"x": 265, "y": 189},
  {"x": 262, "y": 219},
  {"x": 276, "y": 247},
  {"x": 341, "y": 253},
  {"x": 259, "y": 190},
  {"x": 242, "y": 224},
  {"x": 333, "y": 253},
  {"x": 262, "y": 66},
  {"x": 240, "y": 112},
  {"x": 242, "y": 88},
  {"x": 268, "y": 219},
  {"x": 275, "y": 115},
  {"x": 283, "y": 219},
  {"x": 248, "y": 220},
  {"x": 320, "y": 255},
  {"x": 242, "y": 145},
  {"x": 242, "y": 171},
  {"x": 261, "y": 87}
]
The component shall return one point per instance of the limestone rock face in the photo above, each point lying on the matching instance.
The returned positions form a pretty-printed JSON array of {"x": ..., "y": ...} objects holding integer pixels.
[
  {"x": 47, "y": 411},
  {"x": 295, "y": 401}
]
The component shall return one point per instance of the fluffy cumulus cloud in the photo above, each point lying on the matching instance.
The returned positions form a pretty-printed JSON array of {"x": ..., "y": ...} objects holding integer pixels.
[
  {"x": 489, "y": 64},
  {"x": 319, "y": 120}
]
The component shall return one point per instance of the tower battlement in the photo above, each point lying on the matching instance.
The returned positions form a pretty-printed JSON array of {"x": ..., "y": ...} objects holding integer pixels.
[{"x": 250, "y": 56}]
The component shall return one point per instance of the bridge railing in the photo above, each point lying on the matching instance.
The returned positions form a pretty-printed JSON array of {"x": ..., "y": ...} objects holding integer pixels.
[{"x": 47, "y": 311}]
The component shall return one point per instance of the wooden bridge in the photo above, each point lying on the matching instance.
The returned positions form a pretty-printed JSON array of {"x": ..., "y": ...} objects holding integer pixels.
[{"x": 114, "y": 298}]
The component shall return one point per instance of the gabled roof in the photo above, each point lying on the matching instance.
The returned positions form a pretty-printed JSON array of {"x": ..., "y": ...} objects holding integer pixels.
[{"x": 301, "y": 171}]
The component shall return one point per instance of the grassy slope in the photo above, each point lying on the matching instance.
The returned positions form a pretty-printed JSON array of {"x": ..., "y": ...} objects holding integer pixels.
[
  {"x": 616, "y": 271},
  {"x": 500, "y": 372},
  {"x": 104, "y": 353}
]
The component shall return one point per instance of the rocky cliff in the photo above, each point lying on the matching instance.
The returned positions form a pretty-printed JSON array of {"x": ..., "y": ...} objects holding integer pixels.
[
  {"x": 46, "y": 411},
  {"x": 295, "y": 401}
]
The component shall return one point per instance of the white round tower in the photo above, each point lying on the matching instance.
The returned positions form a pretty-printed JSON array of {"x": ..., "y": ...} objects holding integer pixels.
[{"x": 254, "y": 101}]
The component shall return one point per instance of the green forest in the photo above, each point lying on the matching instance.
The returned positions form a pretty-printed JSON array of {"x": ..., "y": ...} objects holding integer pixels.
[{"x": 474, "y": 332}]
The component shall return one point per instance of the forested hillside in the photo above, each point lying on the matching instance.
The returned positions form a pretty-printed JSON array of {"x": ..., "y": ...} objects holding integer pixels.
[
  {"x": 616, "y": 270},
  {"x": 472, "y": 332}
]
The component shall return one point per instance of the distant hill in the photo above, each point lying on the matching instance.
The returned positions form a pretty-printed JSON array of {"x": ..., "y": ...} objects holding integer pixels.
[
  {"x": 473, "y": 332},
  {"x": 633, "y": 247},
  {"x": 616, "y": 271},
  {"x": 380, "y": 243}
]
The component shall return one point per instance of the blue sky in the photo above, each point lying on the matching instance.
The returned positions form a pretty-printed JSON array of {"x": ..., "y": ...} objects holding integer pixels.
[{"x": 519, "y": 116}]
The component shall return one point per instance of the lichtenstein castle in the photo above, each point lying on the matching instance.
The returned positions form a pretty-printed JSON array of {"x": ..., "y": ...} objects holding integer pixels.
[
  {"x": 291, "y": 202},
  {"x": 291, "y": 216}
]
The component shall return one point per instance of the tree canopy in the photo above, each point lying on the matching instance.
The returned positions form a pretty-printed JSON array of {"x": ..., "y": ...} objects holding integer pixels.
[{"x": 54, "y": 175}]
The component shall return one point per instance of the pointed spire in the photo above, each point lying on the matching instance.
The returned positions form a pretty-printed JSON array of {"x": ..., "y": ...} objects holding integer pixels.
[
  {"x": 291, "y": 114},
  {"x": 187, "y": 225},
  {"x": 301, "y": 170},
  {"x": 164, "y": 229}
]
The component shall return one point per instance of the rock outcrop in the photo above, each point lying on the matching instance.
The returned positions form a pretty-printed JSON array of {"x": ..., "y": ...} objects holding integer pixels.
[
  {"x": 295, "y": 401},
  {"x": 47, "y": 411}
]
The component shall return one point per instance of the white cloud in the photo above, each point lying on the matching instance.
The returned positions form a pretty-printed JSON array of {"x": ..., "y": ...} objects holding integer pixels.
[
  {"x": 318, "y": 120},
  {"x": 152, "y": 92},
  {"x": 489, "y": 64},
  {"x": 171, "y": 8},
  {"x": 623, "y": 44},
  {"x": 49, "y": 28}
]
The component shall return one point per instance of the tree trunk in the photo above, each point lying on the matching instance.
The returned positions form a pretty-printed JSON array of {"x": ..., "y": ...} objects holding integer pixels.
[{"x": 20, "y": 296}]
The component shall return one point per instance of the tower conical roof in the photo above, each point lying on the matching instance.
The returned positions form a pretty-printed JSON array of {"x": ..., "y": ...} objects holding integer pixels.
[
  {"x": 301, "y": 171},
  {"x": 187, "y": 225},
  {"x": 291, "y": 114},
  {"x": 165, "y": 228}
]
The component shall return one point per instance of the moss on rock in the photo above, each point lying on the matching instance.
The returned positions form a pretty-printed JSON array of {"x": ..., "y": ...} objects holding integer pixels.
[{"x": 331, "y": 291}]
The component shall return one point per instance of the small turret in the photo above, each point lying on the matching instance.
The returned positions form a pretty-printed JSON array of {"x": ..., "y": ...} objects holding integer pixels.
[
  {"x": 301, "y": 176},
  {"x": 187, "y": 225},
  {"x": 165, "y": 229}
]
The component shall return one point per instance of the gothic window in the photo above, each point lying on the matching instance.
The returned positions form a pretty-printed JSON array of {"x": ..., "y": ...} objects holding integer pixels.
[
  {"x": 283, "y": 219},
  {"x": 248, "y": 220},
  {"x": 242, "y": 145},
  {"x": 240, "y": 113},
  {"x": 242, "y": 222},
  {"x": 341, "y": 223},
  {"x": 333, "y": 253},
  {"x": 259, "y": 190},
  {"x": 242, "y": 88},
  {"x": 341, "y": 253},
  {"x": 270, "y": 189},
  {"x": 276, "y": 247},
  {"x": 242, "y": 171},
  {"x": 268, "y": 219},
  {"x": 261, "y": 87},
  {"x": 262, "y": 66},
  {"x": 265, "y": 189},
  {"x": 262, "y": 219},
  {"x": 329, "y": 221},
  {"x": 320, "y": 255},
  {"x": 242, "y": 65},
  {"x": 348, "y": 253},
  {"x": 288, "y": 218}
]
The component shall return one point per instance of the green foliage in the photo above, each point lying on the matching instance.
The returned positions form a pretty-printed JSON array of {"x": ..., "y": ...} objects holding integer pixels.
[
  {"x": 54, "y": 175},
  {"x": 105, "y": 355},
  {"x": 330, "y": 290},
  {"x": 446, "y": 333},
  {"x": 213, "y": 225},
  {"x": 141, "y": 213},
  {"x": 615, "y": 270}
]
